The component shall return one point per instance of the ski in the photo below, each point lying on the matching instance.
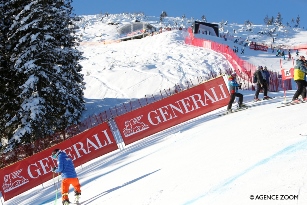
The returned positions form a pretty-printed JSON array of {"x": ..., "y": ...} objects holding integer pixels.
[
  {"x": 259, "y": 102},
  {"x": 233, "y": 111},
  {"x": 77, "y": 202},
  {"x": 289, "y": 104},
  {"x": 264, "y": 99}
]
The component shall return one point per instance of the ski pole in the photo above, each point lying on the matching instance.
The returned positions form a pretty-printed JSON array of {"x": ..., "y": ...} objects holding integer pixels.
[
  {"x": 56, "y": 188},
  {"x": 1, "y": 197}
]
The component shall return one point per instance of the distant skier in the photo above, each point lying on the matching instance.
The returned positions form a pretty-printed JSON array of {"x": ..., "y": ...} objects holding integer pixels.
[
  {"x": 68, "y": 173},
  {"x": 233, "y": 90},
  {"x": 289, "y": 54},
  {"x": 278, "y": 52}
]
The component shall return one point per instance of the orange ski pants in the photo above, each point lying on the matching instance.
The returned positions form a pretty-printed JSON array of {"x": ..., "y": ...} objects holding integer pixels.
[{"x": 65, "y": 186}]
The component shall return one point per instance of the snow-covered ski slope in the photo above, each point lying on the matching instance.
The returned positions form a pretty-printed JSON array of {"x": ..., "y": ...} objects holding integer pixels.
[{"x": 256, "y": 156}]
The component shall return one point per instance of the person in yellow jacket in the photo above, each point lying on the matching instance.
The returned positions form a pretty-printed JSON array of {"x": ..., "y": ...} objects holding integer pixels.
[{"x": 300, "y": 71}]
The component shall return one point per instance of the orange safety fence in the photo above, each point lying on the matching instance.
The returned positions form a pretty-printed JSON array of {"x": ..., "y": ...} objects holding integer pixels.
[{"x": 244, "y": 69}]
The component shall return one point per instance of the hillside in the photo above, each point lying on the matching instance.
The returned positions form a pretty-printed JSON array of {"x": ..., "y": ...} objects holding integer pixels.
[
  {"x": 163, "y": 60},
  {"x": 242, "y": 158}
]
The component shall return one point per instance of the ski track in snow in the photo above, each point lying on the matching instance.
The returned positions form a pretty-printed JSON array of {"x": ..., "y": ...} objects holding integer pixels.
[{"x": 302, "y": 145}]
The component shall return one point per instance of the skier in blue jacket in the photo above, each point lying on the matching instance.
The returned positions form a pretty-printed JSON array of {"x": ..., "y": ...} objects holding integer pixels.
[
  {"x": 233, "y": 90},
  {"x": 68, "y": 173}
]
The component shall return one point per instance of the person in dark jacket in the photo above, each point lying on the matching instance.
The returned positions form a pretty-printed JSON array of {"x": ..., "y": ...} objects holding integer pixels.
[
  {"x": 267, "y": 76},
  {"x": 233, "y": 90},
  {"x": 68, "y": 173},
  {"x": 300, "y": 71},
  {"x": 261, "y": 83}
]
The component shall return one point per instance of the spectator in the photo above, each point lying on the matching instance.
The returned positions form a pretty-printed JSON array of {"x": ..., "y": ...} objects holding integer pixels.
[
  {"x": 300, "y": 72},
  {"x": 261, "y": 84},
  {"x": 267, "y": 76},
  {"x": 68, "y": 173},
  {"x": 278, "y": 52},
  {"x": 233, "y": 90},
  {"x": 289, "y": 55}
]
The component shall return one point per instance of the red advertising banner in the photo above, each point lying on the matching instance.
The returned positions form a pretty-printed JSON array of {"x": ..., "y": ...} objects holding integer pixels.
[
  {"x": 258, "y": 47},
  {"x": 173, "y": 110},
  {"x": 287, "y": 73},
  {"x": 36, "y": 169}
]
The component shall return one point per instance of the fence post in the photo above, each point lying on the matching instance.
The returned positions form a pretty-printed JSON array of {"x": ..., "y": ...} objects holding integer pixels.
[
  {"x": 191, "y": 82},
  {"x": 116, "y": 111},
  {"x": 106, "y": 114},
  {"x": 125, "y": 107},
  {"x": 140, "y": 102},
  {"x": 146, "y": 100},
  {"x": 111, "y": 113}
]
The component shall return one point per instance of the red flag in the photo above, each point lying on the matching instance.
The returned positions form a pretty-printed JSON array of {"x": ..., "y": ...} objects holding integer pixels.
[{"x": 287, "y": 73}]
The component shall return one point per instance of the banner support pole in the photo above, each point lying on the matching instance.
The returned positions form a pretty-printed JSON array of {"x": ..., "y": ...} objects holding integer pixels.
[{"x": 285, "y": 96}]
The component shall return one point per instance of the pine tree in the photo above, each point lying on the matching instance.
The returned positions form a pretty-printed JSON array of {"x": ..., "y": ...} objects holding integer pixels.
[
  {"x": 9, "y": 82},
  {"x": 297, "y": 21},
  {"x": 163, "y": 14},
  {"x": 203, "y": 18},
  {"x": 50, "y": 87},
  {"x": 266, "y": 20},
  {"x": 3, "y": 71},
  {"x": 272, "y": 20},
  {"x": 278, "y": 20}
]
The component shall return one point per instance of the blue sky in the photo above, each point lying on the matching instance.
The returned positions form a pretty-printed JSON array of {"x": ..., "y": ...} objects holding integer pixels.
[{"x": 236, "y": 11}]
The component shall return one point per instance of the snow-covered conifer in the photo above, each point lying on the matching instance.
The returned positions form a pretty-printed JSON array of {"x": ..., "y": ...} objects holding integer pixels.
[{"x": 45, "y": 60}]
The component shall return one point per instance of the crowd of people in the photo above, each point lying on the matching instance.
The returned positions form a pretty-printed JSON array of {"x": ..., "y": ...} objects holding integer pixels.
[
  {"x": 261, "y": 79},
  {"x": 282, "y": 53}
]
